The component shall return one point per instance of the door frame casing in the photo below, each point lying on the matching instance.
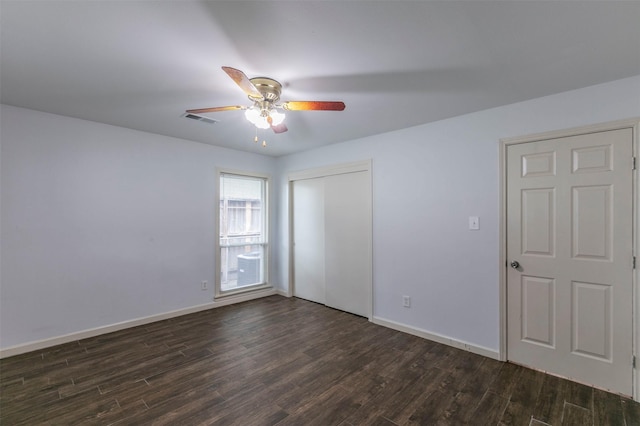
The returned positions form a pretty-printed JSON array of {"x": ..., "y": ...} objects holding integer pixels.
[
  {"x": 331, "y": 170},
  {"x": 632, "y": 123}
]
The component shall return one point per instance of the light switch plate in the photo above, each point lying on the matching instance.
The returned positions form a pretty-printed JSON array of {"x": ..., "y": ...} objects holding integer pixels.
[{"x": 474, "y": 223}]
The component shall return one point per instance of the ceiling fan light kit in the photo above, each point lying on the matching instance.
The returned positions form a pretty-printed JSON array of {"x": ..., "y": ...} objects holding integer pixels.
[
  {"x": 264, "y": 92},
  {"x": 264, "y": 118}
]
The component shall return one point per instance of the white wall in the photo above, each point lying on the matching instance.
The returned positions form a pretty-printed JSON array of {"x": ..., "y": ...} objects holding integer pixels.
[
  {"x": 427, "y": 180},
  {"x": 102, "y": 224}
]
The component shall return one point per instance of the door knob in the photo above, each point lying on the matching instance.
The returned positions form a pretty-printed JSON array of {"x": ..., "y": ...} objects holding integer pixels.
[{"x": 515, "y": 264}]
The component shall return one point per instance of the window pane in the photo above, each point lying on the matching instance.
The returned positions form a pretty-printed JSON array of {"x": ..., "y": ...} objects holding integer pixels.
[
  {"x": 241, "y": 203},
  {"x": 241, "y": 266}
]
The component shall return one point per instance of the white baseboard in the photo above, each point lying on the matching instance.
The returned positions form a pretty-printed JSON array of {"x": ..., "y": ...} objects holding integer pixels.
[
  {"x": 93, "y": 332},
  {"x": 459, "y": 344}
]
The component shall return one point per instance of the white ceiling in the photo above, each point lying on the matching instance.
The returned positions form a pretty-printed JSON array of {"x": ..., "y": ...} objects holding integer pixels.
[{"x": 140, "y": 64}]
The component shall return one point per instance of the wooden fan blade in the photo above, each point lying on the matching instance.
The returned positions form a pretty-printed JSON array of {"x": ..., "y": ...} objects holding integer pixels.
[
  {"x": 243, "y": 81},
  {"x": 313, "y": 106},
  {"x": 280, "y": 128},
  {"x": 215, "y": 109}
]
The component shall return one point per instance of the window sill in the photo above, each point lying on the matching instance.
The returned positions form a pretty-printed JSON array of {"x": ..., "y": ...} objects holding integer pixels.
[{"x": 227, "y": 294}]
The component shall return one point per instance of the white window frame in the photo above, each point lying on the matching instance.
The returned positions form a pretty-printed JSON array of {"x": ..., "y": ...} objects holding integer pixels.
[{"x": 219, "y": 293}]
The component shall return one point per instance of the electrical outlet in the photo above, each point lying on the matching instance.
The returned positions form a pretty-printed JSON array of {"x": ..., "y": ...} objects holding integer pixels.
[
  {"x": 204, "y": 285},
  {"x": 406, "y": 301}
]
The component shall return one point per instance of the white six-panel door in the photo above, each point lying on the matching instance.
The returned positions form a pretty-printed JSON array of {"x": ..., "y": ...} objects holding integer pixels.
[{"x": 569, "y": 251}]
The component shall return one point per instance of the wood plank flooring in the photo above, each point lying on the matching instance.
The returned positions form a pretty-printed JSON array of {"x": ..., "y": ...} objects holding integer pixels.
[{"x": 279, "y": 361}]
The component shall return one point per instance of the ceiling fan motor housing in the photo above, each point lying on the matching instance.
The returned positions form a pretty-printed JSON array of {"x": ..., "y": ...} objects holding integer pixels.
[{"x": 268, "y": 87}]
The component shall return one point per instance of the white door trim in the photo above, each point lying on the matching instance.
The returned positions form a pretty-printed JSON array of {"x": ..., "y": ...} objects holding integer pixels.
[
  {"x": 634, "y": 124},
  {"x": 335, "y": 169}
]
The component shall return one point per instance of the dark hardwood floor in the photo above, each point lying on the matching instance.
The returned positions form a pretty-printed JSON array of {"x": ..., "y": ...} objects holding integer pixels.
[{"x": 279, "y": 361}]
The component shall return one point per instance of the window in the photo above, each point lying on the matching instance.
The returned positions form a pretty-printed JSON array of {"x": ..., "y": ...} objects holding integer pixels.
[{"x": 242, "y": 243}]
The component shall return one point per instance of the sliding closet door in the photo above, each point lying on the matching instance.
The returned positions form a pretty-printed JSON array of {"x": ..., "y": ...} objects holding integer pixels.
[
  {"x": 347, "y": 242},
  {"x": 308, "y": 230},
  {"x": 332, "y": 240}
]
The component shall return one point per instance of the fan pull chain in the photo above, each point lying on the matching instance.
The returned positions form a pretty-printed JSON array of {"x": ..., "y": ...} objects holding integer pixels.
[{"x": 255, "y": 139}]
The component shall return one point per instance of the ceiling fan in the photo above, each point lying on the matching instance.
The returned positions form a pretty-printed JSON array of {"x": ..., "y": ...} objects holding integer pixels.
[{"x": 265, "y": 92}]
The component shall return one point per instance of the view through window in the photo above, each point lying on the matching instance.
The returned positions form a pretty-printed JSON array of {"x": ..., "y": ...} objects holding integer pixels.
[{"x": 243, "y": 240}]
